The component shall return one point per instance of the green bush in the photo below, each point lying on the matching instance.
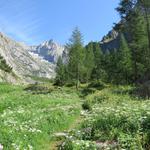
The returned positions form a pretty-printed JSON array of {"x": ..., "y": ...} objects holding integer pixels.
[
  {"x": 39, "y": 89},
  {"x": 98, "y": 97},
  {"x": 4, "y": 66},
  {"x": 97, "y": 84},
  {"x": 87, "y": 91},
  {"x": 87, "y": 105}
]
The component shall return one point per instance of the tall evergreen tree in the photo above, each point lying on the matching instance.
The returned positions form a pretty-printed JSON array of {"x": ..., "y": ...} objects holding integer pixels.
[
  {"x": 145, "y": 5},
  {"x": 89, "y": 61},
  {"x": 76, "y": 55},
  {"x": 98, "y": 70},
  {"x": 134, "y": 25},
  {"x": 110, "y": 66},
  {"x": 124, "y": 62},
  {"x": 60, "y": 72}
]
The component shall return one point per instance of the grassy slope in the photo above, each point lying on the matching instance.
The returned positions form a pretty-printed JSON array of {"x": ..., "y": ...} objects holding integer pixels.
[
  {"x": 29, "y": 120},
  {"x": 116, "y": 118}
]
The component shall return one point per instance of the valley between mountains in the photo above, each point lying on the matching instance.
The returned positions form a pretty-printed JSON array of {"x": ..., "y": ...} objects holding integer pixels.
[{"x": 76, "y": 96}]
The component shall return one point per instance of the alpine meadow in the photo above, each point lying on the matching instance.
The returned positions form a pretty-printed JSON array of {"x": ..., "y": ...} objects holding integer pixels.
[{"x": 81, "y": 94}]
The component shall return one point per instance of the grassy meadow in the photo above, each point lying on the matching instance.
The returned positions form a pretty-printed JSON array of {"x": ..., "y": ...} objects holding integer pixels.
[
  {"x": 103, "y": 118},
  {"x": 28, "y": 119}
]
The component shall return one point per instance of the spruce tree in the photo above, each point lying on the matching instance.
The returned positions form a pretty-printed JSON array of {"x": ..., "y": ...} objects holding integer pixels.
[
  {"x": 76, "y": 55},
  {"x": 60, "y": 72},
  {"x": 110, "y": 66},
  {"x": 145, "y": 5},
  {"x": 98, "y": 70},
  {"x": 89, "y": 61},
  {"x": 134, "y": 26},
  {"x": 124, "y": 62}
]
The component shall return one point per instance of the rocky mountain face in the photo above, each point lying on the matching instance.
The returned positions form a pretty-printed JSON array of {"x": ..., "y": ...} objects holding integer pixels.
[
  {"x": 49, "y": 50},
  {"x": 24, "y": 64},
  {"x": 39, "y": 61},
  {"x": 110, "y": 41}
]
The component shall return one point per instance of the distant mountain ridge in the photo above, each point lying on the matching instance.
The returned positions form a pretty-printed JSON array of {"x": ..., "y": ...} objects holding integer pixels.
[
  {"x": 49, "y": 50},
  {"x": 40, "y": 61},
  {"x": 24, "y": 64}
]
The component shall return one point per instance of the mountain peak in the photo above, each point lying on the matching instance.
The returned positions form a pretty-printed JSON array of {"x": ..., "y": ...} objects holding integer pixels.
[
  {"x": 49, "y": 50},
  {"x": 47, "y": 43},
  {"x": 113, "y": 34},
  {"x": 22, "y": 62}
]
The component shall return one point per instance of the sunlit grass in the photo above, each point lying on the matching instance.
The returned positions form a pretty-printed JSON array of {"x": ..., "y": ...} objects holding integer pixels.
[
  {"x": 28, "y": 121},
  {"x": 116, "y": 120}
]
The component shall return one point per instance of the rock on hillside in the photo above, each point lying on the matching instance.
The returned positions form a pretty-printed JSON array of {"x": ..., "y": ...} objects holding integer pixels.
[
  {"x": 110, "y": 41},
  {"x": 23, "y": 62}
]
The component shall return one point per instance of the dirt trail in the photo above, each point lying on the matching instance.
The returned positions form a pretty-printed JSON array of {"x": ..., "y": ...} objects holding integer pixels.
[{"x": 55, "y": 144}]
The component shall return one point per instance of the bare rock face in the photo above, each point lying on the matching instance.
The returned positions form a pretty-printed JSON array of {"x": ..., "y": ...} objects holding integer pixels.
[
  {"x": 49, "y": 50},
  {"x": 23, "y": 62},
  {"x": 110, "y": 41},
  {"x": 110, "y": 36}
]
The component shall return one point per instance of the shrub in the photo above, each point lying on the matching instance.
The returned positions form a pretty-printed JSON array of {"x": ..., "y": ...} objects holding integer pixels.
[
  {"x": 87, "y": 105},
  {"x": 97, "y": 84},
  {"x": 4, "y": 66},
  {"x": 39, "y": 89},
  {"x": 88, "y": 91},
  {"x": 97, "y": 97},
  {"x": 128, "y": 141},
  {"x": 143, "y": 90}
]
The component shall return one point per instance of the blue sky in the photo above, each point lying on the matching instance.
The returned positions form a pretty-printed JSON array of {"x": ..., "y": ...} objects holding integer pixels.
[{"x": 34, "y": 21}]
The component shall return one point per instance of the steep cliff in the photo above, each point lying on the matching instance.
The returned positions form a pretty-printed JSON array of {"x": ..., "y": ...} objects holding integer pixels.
[{"x": 24, "y": 64}]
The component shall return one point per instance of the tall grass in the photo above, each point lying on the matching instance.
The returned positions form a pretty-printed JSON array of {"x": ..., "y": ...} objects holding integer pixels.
[
  {"x": 116, "y": 121},
  {"x": 28, "y": 121}
]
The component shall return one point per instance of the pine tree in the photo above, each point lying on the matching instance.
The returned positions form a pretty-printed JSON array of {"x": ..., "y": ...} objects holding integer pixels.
[
  {"x": 134, "y": 25},
  {"x": 89, "y": 61},
  {"x": 124, "y": 62},
  {"x": 76, "y": 55},
  {"x": 98, "y": 71},
  {"x": 145, "y": 4},
  {"x": 110, "y": 66},
  {"x": 60, "y": 72}
]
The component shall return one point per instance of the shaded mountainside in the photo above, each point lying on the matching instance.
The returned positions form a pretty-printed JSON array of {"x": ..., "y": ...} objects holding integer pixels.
[{"x": 23, "y": 63}]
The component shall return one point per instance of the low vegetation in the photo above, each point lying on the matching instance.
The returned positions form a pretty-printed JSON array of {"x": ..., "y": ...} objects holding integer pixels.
[
  {"x": 28, "y": 121},
  {"x": 93, "y": 98},
  {"x": 4, "y": 66},
  {"x": 116, "y": 121},
  {"x": 110, "y": 118}
]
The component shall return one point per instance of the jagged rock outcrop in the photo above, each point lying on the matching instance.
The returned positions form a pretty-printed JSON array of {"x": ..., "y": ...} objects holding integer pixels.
[
  {"x": 24, "y": 64},
  {"x": 49, "y": 50},
  {"x": 110, "y": 41}
]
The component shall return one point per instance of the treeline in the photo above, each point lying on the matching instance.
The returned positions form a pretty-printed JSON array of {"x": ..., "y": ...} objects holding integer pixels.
[
  {"x": 135, "y": 25},
  {"x": 127, "y": 64}
]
